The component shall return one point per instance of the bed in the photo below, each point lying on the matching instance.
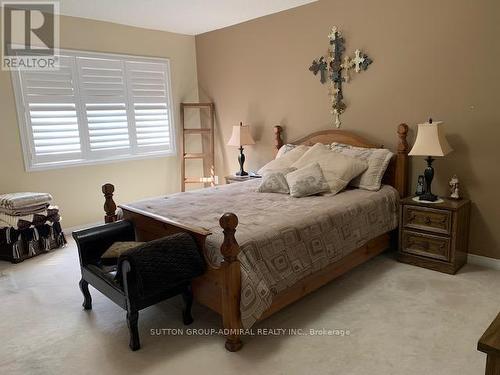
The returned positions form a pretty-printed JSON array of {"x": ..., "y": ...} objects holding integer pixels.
[{"x": 285, "y": 247}]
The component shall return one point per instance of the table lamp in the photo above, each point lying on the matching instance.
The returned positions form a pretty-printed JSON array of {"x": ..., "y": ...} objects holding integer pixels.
[
  {"x": 241, "y": 137},
  {"x": 430, "y": 142}
]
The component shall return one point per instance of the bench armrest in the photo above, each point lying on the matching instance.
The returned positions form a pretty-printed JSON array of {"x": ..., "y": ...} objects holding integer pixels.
[{"x": 93, "y": 242}]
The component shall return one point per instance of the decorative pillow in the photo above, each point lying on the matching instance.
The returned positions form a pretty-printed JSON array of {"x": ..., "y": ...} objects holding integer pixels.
[
  {"x": 284, "y": 161},
  {"x": 118, "y": 248},
  {"x": 306, "y": 181},
  {"x": 338, "y": 169},
  {"x": 275, "y": 182},
  {"x": 284, "y": 149},
  {"x": 378, "y": 160}
]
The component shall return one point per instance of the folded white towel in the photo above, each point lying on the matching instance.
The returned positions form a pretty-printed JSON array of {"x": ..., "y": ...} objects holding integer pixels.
[
  {"x": 24, "y": 210},
  {"x": 21, "y": 200}
]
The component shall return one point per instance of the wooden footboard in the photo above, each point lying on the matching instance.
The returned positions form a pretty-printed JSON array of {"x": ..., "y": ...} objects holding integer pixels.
[{"x": 220, "y": 288}]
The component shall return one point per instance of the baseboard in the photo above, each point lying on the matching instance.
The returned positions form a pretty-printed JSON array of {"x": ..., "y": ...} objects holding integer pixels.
[
  {"x": 480, "y": 260},
  {"x": 69, "y": 230}
]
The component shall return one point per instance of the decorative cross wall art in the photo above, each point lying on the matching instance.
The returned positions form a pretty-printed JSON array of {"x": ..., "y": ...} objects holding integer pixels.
[{"x": 336, "y": 70}]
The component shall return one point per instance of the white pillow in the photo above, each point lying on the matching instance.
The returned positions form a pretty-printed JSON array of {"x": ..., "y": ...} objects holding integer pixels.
[
  {"x": 275, "y": 182},
  {"x": 284, "y": 149},
  {"x": 338, "y": 169},
  {"x": 378, "y": 160},
  {"x": 306, "y": 181},
  {"x": 284, "y": 161}
]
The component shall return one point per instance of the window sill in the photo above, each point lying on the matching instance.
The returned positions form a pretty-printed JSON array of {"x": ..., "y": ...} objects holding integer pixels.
[{"x": 108, "y": 160}]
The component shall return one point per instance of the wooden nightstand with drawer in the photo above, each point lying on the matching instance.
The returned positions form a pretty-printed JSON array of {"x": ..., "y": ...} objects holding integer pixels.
[{"x": 434, "y": 235}]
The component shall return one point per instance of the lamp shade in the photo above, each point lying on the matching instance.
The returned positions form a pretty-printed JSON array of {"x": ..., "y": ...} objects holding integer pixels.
[
  {"x": 241, "y": 136},
  {"x": 431, "y": 140}
]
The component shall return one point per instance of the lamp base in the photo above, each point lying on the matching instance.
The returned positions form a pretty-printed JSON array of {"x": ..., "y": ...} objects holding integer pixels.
[
  {"x": 429, "y": 197},
  {"x": 241, "y": 160},
  {"x": 417, "y": 199},
  {"x": 428, "y": 176}
]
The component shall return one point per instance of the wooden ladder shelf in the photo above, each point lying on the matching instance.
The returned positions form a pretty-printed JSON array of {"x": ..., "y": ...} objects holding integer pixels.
[{"x": 208, "y": 156}]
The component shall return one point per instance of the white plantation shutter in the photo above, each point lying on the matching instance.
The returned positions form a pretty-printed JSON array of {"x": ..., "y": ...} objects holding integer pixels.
[
  {"x": 148, "y": 90},
  {"x": 97, "y": 107},
  {"x": 152, "y": 125},
  {"x": 103, "y": 92},
  {"x": 108, "y": 127},
  {"x": 50, "y": 114}
]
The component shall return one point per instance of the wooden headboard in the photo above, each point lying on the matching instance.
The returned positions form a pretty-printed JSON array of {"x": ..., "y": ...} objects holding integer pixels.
[{"x": 396, "y": 174}]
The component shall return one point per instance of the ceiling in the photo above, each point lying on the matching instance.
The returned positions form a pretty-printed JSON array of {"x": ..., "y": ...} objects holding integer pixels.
[{"x": 180, "y": 16}]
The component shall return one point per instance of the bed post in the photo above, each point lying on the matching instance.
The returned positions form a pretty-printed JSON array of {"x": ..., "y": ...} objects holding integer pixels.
[
  {"x": 109, "y": 203},
  {"x": 401, "y": 178},
  {"x": 231, "y": 282},
  {"x": 278, "y": 140}
]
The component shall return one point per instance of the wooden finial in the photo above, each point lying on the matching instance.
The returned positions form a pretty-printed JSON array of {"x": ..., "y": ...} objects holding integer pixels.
[
  {"x": 230, "y": 247},
  {"x": 403, "y": 146},
  {"x": 401, "y": 173},
  {"x": 278, "y": 141},
  {"x": 109, "y": 203}
]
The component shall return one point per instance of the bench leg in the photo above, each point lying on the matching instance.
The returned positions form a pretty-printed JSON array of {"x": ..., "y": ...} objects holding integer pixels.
[
  {"x": 187, "y": 296},
  {"x": 132, "y": 322},
  {"x": 87, "y": 298}
]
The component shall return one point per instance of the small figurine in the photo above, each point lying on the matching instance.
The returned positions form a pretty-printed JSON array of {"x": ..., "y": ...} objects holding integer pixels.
[
  {"x": 454, "y": 187},
  {"x": 420, "y": 186}
]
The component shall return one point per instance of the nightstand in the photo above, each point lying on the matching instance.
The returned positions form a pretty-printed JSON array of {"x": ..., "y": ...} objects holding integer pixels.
[
  {"x": 233, "y": 178},
  {"x": 434, "y": 235}
]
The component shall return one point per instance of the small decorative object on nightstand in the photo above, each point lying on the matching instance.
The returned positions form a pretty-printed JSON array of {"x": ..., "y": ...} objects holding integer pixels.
[
  {"x": 454, "y": 187},
  {"x": 241, "y": 136},
  {"x": 233, "y": 178},
  {"x": 434, "y": 236},
  {"x": 430, "y": 142}
]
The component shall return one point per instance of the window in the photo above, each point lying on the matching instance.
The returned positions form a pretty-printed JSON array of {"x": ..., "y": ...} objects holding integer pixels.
[{"x": 95, "y": 108}]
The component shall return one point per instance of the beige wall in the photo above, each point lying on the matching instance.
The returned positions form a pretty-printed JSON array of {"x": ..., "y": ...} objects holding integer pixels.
[
  {"x": 431, "y": 58},
  {"x": 77, "y": 189}
]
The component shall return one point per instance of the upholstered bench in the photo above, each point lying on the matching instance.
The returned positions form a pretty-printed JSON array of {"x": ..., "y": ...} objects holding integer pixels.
[{"x": 141, "y": 276}]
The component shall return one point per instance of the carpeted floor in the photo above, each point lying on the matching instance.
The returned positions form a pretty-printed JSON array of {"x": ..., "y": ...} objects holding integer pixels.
[{"x": 402, "y": 320}]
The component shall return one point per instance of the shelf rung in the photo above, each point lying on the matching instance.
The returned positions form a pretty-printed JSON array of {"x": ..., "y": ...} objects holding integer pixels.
[
  {"x": 197, "y": 105},
  {"x": 196, "y": 131},
  {"x": 199, "y": 180},
  {"x": 195, "y": 156},
  {"x": 207, "y": 134}
]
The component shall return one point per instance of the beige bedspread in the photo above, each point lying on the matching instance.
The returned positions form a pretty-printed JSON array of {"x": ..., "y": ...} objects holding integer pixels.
[{"x": 282, "y": 239}]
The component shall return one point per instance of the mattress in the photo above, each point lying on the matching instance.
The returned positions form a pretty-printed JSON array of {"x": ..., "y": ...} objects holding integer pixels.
[{"x": 282, "y": 239}]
